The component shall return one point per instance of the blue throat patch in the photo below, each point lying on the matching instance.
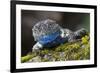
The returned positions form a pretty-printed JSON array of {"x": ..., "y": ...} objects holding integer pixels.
[
  {"x": 48, "y": 38},
  {"x": 52, "y": 39}
]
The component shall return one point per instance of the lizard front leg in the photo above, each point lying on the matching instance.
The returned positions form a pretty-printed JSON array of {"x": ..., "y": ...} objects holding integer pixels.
[{"x": 37, "y": 46}]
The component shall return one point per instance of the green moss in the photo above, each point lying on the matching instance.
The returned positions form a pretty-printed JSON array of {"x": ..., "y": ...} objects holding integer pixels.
[
  {"x": 77, "y": 50},
  {"x": 27, "y": 57},
  {"x": 45, "y": 51},
  {"x": 85, "y": 39}
]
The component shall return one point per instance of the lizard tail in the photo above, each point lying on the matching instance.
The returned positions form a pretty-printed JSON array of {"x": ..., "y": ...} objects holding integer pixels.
[{"x": 80, "y": 33}]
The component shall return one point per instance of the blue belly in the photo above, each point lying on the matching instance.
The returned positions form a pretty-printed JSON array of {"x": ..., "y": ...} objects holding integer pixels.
[
  {"x": 56, "y": 42},
  {"x": 52, "y": 39}
]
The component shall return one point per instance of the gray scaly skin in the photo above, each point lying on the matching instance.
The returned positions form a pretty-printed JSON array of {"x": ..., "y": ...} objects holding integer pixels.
[{"x": 51, "y": 26}]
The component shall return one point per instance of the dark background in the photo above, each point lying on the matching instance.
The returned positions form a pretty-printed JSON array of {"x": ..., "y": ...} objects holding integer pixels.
[{"x": 72, "y": 21}]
